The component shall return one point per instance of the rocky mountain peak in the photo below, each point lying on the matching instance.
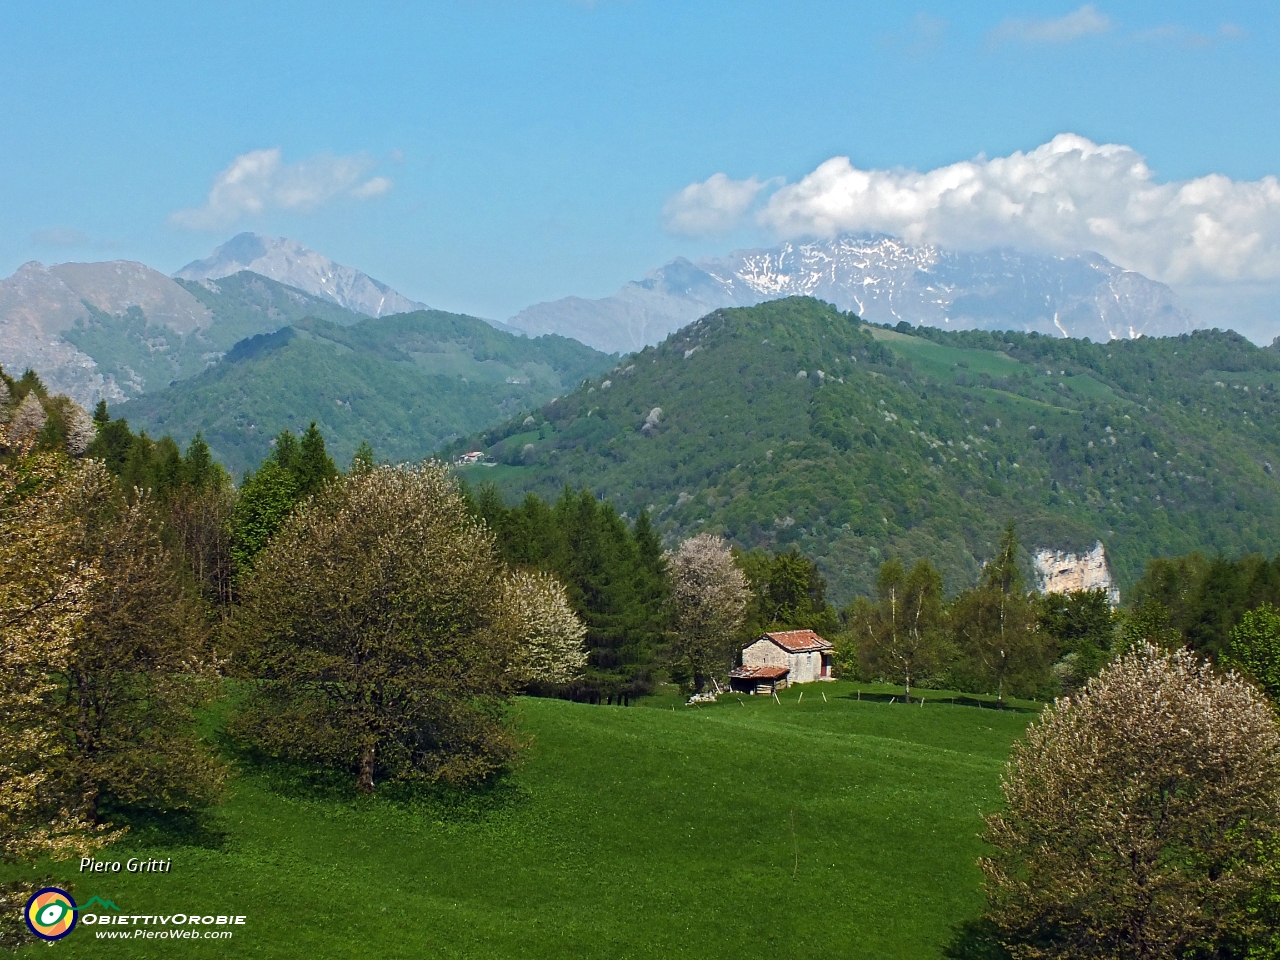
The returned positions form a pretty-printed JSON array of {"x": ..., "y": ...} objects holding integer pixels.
[{"x": 288, "y": 261}]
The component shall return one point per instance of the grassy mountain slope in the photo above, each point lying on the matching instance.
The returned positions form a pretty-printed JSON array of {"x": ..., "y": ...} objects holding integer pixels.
[
  {"x": 405, "y": 383},
  {"x": 793, "y": 423},
  {"x": 146, "y": 356},
  {"x": 802, "y": 829}
]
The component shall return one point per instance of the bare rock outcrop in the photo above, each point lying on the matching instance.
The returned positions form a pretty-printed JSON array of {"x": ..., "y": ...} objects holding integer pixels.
[{"x": 1059, "y": 571}]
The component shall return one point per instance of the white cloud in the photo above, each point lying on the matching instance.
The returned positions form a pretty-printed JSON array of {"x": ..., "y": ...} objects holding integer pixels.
[
  {"x": 1173, "y": 33},
  {"x": 258, "y": 181},
  {"x": 1084, "y": 22},
  {"x": 1066, "y": 196},
  {"x": 375, "y": 187},
  {"x": 716, "y": 205}
]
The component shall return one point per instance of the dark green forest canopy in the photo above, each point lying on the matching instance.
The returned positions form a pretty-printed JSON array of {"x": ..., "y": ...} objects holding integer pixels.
[
  {"x": 406, "y": 383},
  {"x": 791, "y": 423}
]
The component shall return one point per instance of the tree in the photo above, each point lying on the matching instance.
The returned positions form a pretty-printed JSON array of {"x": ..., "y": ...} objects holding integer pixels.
[
  {"x": 787, "y": 592},
  {"x": 265, "y": 500},
  {"x": 363, "y": 460},
  {"x": 44, "y": 585},
  {"x": 551, "y": 635},
  {"x": 709, "y": 598},
  {"x": 1080, "y": 628},
  {"x": 1147, "y": 621},
  {"x": 200, "y": 523},
  {"x": 994, "y": 629},
  {"x": 614, "y": 578},
  {"x": 136, "y": 672},
  {"x": 902, "y": 637},
  {"x": 313, "y": 466},
  {"x": 376, "y": 629},
  {"x": 1254, "y": 649},
  {"x": 1137, "y": 814}
]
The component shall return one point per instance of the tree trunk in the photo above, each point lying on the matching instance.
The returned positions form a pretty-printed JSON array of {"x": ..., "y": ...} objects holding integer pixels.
[{"x": 366, "y": 768}]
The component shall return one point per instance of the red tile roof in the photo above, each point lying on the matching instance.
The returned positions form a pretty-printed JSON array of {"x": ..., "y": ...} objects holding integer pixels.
[
  {"x": 758, "y": 673},
  {"x": 799, "y": 641}
]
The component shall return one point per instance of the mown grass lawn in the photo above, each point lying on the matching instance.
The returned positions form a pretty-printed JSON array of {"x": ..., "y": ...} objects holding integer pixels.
[{"x": 816, "y": 828}]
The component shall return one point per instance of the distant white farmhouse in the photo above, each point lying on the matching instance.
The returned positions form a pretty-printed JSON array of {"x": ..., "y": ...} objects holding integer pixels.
[{"x": 780, "y": 659}]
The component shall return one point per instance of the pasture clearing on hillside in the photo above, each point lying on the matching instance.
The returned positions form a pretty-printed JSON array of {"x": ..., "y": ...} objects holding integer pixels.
[{"x": 747, "y": 828}]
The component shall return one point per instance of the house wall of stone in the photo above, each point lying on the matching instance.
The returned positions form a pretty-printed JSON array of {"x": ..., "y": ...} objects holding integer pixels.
[
  {"x": 806, "y": 667},
  {"x": 765, "y": 653}
]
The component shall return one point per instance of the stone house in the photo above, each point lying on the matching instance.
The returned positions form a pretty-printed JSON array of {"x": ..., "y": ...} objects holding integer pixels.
[{"x": 782, "y": 658}]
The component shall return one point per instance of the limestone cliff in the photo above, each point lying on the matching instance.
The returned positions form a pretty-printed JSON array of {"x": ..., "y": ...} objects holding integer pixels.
[{"x": 1058, "y": 571}]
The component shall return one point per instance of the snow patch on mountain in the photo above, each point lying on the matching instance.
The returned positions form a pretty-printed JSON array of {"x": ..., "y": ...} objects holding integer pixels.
[{"x": 882, "y": 279}]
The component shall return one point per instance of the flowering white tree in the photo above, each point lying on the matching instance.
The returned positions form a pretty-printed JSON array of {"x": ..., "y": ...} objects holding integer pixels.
[
  {"x": 709, "y": 595},
  {"x": 29, "y": 418},
  {"x": 81, "y": 429},
  {"x": 551, "y": 635},
  {"x": 1139, "y": 815}
]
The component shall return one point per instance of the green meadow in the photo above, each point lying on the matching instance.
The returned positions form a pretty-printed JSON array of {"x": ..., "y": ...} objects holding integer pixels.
[{"x": 815, "y": 827}]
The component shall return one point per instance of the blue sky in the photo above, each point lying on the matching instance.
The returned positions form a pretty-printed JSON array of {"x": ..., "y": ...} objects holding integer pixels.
[{"x": 484, "y": 155}]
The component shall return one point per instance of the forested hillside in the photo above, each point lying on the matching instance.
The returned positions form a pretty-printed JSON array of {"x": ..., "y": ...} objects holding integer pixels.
[
  {"x": 144, "y": 354},
  {"x": 791, "y": 423},
  {"x": 405, "y": 383}
]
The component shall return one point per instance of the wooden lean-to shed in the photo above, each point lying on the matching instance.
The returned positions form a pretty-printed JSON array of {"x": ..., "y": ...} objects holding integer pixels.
[{"x": 782, "y": 658}]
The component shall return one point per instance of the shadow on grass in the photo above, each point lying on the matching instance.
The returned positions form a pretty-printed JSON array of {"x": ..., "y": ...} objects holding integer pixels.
[
  {"x": 976, "y": 940},
  {"x": 958, "y": 700},
  {"x": 495, "y": 797},
  {"x": 201, "y": 829}
]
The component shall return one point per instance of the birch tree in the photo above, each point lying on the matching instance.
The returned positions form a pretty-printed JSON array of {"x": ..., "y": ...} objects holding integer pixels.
[
  {"x": 709, "y": 596},
  {"x": 901, "y": 638}
]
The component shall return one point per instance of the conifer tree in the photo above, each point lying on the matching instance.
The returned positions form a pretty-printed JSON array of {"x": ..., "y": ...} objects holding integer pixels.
[{"x": 363, "y": 460}]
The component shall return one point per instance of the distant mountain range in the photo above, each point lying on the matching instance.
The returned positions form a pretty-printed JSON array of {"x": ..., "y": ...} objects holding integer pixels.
[
  {"x": 290, "y": 263},
  {"x": 120, "y": 329},
  {"x": 883, "y": 280},
  {"x": 41, "y": 307},
  {"x": 111, "y": 331}
]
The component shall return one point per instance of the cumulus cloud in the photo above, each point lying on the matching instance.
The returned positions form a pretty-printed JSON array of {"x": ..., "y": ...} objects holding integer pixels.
[
  {"x": 716, "y": 205},
  {"x": 1066, "y": 196},
  {"x": 258, "y": 181},
  {"x": 1084, "y": 22}
]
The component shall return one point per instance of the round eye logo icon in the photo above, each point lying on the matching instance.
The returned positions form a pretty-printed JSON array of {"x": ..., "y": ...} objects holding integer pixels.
[{"x": 50, "y": 913}]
